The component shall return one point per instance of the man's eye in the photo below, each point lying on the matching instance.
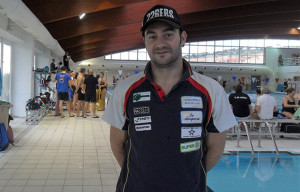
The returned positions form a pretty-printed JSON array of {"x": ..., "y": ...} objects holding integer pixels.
[
  {"x": 151, "y": 37},
  {"x": 169, "y": 35}
]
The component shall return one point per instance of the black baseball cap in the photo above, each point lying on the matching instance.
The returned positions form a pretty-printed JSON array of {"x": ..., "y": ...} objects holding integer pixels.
[{"x": 161, "y": 13}]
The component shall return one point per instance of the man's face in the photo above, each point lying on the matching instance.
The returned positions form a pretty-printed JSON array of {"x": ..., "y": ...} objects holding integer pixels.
[{"x": 163, "y": 44}]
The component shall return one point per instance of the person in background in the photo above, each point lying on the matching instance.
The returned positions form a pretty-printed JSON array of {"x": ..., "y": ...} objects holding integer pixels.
[
  {"x": 258, "y": 93},
  {"x": 52, "y": 66},
  {"x": 168, "y": 124},
  {"x": 103, "y": 87},
  {"x": 289, "y": 105},
  {"x": 66, "y": 60},
  {"x": 240, "y": 104},
  {"x": 63, "y": 80},
  {"x": 90, "y": 93},
  {"x": 266, "y": 106},
  {"x": 80, "y": 91}
]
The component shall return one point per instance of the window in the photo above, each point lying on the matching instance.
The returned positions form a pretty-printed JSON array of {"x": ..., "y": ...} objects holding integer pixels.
[
  {"x": 248, "y": 51},
  {"x": 6, "y": 69}
]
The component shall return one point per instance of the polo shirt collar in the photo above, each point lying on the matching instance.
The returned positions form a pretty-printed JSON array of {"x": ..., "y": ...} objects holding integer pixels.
[{"x": 186, "y": 74}]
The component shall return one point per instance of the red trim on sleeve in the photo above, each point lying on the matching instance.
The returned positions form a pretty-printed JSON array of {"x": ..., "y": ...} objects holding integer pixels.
[
  {"x": 159, "y": 91},
  {"x": 133, "y": 86},
  {"x": 205, "y": 92}
]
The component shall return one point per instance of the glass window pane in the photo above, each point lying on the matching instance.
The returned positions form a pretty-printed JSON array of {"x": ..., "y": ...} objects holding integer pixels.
[
  {"x": 259, "y": 55},
  {"x": 124, "y": 55},
  {"x": 219, "y": 54},
  {"x": 243, "y": 54},
  {"x": 252, "y": 55},
  {"x": 294, "y": 43},
  {"x": 194, "y": 43},
  {"x": 142, "y": 54},
  {"x": 116, "y": 56},
  {"x": 210, "y": 43},
  {"x": 6, "y": 91},
  {"x": 193, "y": 53},
  {"x": 260, "y": 43},
  {"x": 202, "y": 43},
  {"x": 227, "y": 43},
  {"x": 221, "y": 43},
  {"x": 235, "y": 42},
  {"x": 252, "y": 42},
  {"x": 201, "y": 53},
  {"x": 235, "y": 53},
  {"x": 185, "y": 52},
  {"x": 133, "y": 55},
  {"x": 210, "y": 54},
  {"x": 107, "y": 56},
  {"x": 244, "y": 42}
]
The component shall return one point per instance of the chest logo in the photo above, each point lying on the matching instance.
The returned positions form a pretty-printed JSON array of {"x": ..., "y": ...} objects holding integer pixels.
[
  {"x": 190, "y": 146},
  {"x": 190, "y": 117},
  {"x": 144, "y": 127},
  {"x": 191, "y": 102},
  {"x": 144, "y": 119},
  {"x": 191, "y": 132},
  {"x": 141, "y": 110},
  {"x": 141, "y": 96}
]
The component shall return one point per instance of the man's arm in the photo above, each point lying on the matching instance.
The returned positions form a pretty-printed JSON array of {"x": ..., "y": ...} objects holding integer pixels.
[
  {"x": 215, "y": 143},
  {"x": 118, "y": 140}
]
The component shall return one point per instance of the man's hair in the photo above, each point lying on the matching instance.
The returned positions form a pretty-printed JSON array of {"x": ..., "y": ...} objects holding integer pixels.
[
  {"x": 289, "y": 90},
  {"x": 238, "y": 89},
  {"x": 265, "y": 90},
  {"x": 90, "y": 71},
  {"x": 258, "y": 91},
  {"x": 63, "y": 68},
  {"x": 82, "y": 70}
]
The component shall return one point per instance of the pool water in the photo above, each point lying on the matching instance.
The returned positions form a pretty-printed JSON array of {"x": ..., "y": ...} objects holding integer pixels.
[{"x": 263, "y": 173}]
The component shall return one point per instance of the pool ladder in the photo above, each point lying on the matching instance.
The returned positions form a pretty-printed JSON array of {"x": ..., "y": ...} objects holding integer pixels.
[{"x": 259, "y": 136}]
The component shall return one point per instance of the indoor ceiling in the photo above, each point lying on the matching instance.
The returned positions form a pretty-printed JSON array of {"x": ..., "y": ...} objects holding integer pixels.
[{"x": 112, "y": 26}]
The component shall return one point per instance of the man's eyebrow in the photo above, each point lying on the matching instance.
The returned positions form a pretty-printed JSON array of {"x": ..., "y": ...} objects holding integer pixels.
[{"x": 169, "y": 29}]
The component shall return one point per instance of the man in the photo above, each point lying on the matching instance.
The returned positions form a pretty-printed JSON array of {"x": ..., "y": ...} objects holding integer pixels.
[
  {"x": 240, "y": 103},
  {"x": 80, "y": 91},
  {"x": 63, "y": 80},
  {"x": 52, "y": 66},
  {"x": 90, "y": 93},
  {"x": 66, "y": 60},
  {"x": 168, "y": 126},
  {"x": 265, "y": 106}
]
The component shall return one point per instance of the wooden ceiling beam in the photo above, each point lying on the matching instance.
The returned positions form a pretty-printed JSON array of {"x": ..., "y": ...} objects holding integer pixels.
[{"x": 55, "y": 10}]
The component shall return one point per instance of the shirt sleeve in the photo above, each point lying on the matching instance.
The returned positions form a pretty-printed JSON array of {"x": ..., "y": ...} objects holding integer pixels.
[
  {"x": 222, "y": 117},
  {"x": 114, "y": 113}
]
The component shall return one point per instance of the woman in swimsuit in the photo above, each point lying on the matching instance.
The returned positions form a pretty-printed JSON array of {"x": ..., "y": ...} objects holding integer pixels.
[
  {"x": 288, "y": 103},
  {"x": 103, "y": 87}
]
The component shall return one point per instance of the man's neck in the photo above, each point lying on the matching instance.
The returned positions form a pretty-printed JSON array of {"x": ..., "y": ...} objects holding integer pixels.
[{"x": 167, "y": 78}]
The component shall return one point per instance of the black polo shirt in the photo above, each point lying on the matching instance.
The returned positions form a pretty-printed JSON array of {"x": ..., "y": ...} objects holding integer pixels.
[
  {"x": 90, "y": 84},
  {"x": 165, "y": 150}
]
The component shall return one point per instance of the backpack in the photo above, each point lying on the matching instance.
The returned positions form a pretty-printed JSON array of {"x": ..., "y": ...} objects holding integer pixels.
[{"x": 4, "y": 139}]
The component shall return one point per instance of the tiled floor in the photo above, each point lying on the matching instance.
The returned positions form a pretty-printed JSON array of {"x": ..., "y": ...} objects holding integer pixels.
[{"x": 73, "y": 154}]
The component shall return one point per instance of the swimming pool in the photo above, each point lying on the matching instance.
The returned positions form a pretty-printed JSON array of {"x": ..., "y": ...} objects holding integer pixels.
[{"x": 263, "y": 173}]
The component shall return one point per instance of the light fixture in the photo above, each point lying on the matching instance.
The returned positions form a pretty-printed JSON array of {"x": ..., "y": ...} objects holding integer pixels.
[
  {"x": 298, "y": 28},
  {"x": 81, "y": 15}
]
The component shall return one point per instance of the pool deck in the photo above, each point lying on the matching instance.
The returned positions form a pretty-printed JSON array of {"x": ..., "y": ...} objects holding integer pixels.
[{"x": 73, "y": 154}]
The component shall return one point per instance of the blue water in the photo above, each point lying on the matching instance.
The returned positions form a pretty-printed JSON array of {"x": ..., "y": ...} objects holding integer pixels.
[{"x": 264, "y": 173}]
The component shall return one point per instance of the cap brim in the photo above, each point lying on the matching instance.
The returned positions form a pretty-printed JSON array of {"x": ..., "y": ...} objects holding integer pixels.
[{"x": 171, "y": 23}]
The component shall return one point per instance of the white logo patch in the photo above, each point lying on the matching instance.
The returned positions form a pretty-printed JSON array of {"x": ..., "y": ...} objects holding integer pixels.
[
  {"x": 190, "y": 146},
  {"x": 145, "y": 127},
  {"x": 141, "y": 96},
  {"x": 190, "y": 117},
  {"x": 141, "y": 110},
  {"x": 191, "y": 132},
  {"x": 191, "y": 102},
  {"x": 144, "y": 119}
]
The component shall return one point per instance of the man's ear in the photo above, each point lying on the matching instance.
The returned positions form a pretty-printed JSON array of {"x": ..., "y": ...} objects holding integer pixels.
[{"x": 183, "y": 38}]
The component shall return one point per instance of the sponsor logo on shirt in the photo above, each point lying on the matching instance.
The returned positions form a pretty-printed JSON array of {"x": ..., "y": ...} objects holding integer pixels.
[
  {"x": 61, "y": 78},
  {"x": 190, "y": 117},
  {"x": 191, "y": 132},
  {"x": 141, "y": 96},
  {"x": 190, "y": 146},
  {"x": 144, "y": 119},
  {"x": 144, "y": 127},
  {"x": 141, "y": 110},
  {"x": 191, "y": 102}
]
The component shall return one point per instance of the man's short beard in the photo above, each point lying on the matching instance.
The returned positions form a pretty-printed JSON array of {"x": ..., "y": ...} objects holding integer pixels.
[{"x": 170, "y": 62}]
